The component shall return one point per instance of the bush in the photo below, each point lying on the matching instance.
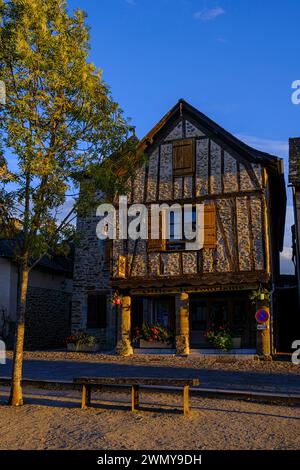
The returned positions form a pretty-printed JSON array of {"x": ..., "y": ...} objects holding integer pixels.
[
  {"x": 220, "y": 337},
  {"x": 82, "y": 338}
]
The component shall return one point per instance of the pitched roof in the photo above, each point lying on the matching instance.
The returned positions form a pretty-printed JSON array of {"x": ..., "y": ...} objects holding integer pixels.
[
  {"x": 55, "y": 263},
  {"x": 183, "y": 108}
]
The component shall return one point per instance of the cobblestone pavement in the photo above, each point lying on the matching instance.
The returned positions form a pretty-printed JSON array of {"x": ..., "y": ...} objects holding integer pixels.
[{"x": 255, "y": 379}]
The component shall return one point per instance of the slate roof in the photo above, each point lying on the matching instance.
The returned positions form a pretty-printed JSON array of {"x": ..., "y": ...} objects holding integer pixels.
[{"x": 55, "y": 263}]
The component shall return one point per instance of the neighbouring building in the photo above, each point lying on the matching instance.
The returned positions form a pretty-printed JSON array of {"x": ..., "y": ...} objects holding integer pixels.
[
  {"x": 48, "y": 310},
  {"x": 294, "y": 181},
  {"x": 190, "y": 160},
  {"x": 286, "y": 300}
]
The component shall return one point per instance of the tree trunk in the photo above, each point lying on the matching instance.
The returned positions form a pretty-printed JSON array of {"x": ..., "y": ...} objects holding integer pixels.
[{"x": 16, "y": 397}]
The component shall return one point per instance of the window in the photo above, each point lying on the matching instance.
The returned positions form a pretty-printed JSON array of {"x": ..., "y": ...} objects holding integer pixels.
[
  {"x": 96, "y": 312},
  {"x": 180, "y": 224},
  {"x": 183, "y": 157},
  {"x": 181, "y": 229},
  {"x": 199, "y": 315}
]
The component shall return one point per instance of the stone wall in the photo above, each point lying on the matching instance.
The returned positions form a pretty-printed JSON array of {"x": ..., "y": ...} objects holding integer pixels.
[
  {"x": 47, "y": 318},
  {"x": 91, "y": 274}
]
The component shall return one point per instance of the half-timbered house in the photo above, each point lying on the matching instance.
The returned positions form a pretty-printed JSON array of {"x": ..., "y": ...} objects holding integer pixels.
[{"x": 190, "y": 160}]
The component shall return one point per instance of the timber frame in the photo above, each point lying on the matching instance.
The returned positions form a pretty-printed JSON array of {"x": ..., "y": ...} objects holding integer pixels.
[{"x": 246, "y": 189}]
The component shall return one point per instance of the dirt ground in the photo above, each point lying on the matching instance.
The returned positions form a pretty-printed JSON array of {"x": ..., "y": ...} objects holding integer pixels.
[{"x": 53, "y": 420}]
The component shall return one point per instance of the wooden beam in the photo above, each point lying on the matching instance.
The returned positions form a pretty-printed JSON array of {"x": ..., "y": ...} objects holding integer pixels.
[
  {"x": 135, "y": 392},
  {"x": 86, "y": 396},
  {"x": 265, "y": 220},
  {"x": 186, "y": 408},
  {"x": 208, "y": 167},
  {"x": 250, "y": 233}
]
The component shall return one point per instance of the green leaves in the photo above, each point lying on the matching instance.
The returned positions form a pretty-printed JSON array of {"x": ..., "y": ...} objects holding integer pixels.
[{"x": 60, "y": 121}]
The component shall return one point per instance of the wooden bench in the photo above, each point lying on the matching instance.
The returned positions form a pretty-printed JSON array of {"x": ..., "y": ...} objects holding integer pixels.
[{"x": 135, "y": 382}]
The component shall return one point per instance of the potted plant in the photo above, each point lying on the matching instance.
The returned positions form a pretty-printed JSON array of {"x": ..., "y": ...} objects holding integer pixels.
[
  {"x": 260, "y": 294},
  {"x": 220, "y": 337},
  {"x": 153, "y": 336},
  {"x": 82, "y": 341}
]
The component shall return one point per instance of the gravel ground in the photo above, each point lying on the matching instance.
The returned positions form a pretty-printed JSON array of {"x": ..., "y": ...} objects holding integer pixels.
[
  {"x": 226, "y": 363},
  {"x": 53, "y": 420}
]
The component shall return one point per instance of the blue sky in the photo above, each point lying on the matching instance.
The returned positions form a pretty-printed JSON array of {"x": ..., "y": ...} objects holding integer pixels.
[{"x": 234, "y": 60}]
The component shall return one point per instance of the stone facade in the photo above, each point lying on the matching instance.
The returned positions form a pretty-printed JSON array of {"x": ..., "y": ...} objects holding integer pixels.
[{"x": 92, "y": 274}]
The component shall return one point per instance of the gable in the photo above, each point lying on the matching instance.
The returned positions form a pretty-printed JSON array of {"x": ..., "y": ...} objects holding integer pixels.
[
  {"x": 214, "y": 170},
  {"x": 223, "y": 163}
]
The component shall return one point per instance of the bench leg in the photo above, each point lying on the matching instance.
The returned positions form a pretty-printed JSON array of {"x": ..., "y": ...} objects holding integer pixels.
[
  {"x": 186, "y": 408},
  {"x": 86, "y": 396},
  {"x": 135, "y": 390}
]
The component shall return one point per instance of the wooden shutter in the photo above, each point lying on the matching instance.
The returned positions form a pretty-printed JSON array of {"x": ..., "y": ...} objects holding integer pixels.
[
  {"x": 122, "y": 266},
  {"x": 210, "y": 226},
  {"x": 183, "y": 157},
  {"x": 156, "y": 244}
]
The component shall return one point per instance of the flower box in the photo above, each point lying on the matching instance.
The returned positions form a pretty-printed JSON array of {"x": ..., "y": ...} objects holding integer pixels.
[
  {"x": 154, "y": 344},
  {"x": 155, "y": 336},
  {"x": 236, "y": 342},
  {"x": 82, "y": 347}
]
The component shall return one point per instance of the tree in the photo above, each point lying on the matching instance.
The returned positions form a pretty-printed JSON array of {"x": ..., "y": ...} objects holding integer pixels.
[{"x": 59, "y": 126}]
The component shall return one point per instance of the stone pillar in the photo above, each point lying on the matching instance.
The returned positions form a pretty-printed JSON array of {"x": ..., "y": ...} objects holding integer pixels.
[
  {"x": 124, "y": 347},
  {"x": 182, "y": 324},
  {"x": 263, "y": 337}
]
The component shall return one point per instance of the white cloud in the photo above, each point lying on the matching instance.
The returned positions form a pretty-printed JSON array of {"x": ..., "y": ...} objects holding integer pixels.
[
  {"x": 276, "y": 147},
  {"x": 209, "y": 14},
  {"x": 286, "y": 264},
  {"x": 131, "y": 2}
]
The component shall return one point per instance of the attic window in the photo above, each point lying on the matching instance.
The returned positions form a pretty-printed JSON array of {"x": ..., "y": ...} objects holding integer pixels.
[{"x": 183, "y": 157}]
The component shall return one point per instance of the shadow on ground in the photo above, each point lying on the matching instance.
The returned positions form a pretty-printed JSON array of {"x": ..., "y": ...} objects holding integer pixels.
[{"x": 243, "y": 380}]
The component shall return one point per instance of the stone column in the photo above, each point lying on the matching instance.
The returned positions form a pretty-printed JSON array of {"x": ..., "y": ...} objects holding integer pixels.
[
  {"x": 263, "y": 337},
  {"x": 124, "y": 347},
  {"x": 182, "y": 324}
]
